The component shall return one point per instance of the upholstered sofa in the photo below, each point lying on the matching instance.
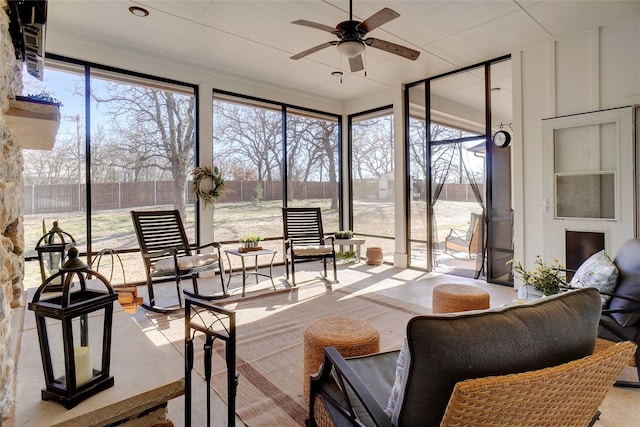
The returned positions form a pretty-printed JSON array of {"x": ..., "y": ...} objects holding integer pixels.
[{"x": 442, "y": 350}]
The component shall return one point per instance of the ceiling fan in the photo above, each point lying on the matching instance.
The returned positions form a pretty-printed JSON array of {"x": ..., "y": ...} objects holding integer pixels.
[{"x": 351, "y": 37}]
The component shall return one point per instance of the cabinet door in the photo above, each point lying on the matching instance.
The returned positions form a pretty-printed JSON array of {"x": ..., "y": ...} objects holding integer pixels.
[{"x": 588, "y": 181}]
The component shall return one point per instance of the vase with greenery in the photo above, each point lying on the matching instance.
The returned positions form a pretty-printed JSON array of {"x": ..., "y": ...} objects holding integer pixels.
[
  {"x": 250, "y": 240},
  {"x": 547, "y": 279}
]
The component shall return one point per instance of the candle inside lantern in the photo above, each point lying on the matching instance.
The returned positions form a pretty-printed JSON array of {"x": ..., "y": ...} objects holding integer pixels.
[{"x": 84, "y": 371}]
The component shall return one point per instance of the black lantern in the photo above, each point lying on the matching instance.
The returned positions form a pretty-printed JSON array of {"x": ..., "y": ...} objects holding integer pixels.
[
  {"x": 74, "y": 330},
  {"x": 52, "y": 249}
]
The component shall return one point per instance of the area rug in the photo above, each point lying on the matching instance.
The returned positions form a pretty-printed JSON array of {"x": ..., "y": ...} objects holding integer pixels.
[{"x": 269, "y": 345}]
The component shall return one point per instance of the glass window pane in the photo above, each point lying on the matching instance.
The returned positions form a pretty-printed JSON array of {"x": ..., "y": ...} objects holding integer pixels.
[
  {"x": 247, "y": 145},
  {"x": 417, "y": 163},
  {"x": 586, "y": 195},
  {"x": 142, "y": 154},
  {"x": 54, "y": 181},
  {"x": 372, "y": 175},
  {"x": 312, "y": 165},
  {"x": 458, "y": 101}
]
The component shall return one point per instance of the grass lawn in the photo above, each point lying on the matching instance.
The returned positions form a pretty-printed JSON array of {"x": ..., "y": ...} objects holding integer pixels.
[{"x": 113, "y": 228}]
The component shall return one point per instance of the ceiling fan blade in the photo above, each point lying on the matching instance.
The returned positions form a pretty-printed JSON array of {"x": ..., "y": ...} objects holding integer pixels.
[
  {"x": 381, "y": 17},
  {"x": 315, "y": 25},
  {"x": 312, "y": 50},
  {"x": 356, "y": 64},
  {"x": 396, "y": 49}
]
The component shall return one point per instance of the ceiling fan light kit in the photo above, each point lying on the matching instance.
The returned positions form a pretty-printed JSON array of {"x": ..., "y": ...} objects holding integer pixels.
[
  {"x": 350, "y": 48},
  {"x": 351, "y": 43}
]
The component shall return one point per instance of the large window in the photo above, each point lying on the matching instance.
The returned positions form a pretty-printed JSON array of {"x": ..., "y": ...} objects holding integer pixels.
[
  {"x": 373, "y": 178},
  {"x": 313, "y": 164},
  {"x": 133, "y": 148},
  {"x": 255, "y": 154}
]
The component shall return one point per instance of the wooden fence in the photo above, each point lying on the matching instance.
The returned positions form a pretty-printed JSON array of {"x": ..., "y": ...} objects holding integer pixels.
[{"x": 42, "y": 199}]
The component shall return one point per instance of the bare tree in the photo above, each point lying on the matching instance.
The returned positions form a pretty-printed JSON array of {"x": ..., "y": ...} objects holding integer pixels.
[
  {"x": 249, "y": 136},
  {"x": 373, "y": 148},
  {"x": 312, "y": 146},
  {"x": 155, "y": 131}
]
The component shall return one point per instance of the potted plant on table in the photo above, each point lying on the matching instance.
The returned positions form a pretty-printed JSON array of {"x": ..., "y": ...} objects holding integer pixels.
[
  {"x": 343, "y": 235},
  {"x": 250, "y": 242}
]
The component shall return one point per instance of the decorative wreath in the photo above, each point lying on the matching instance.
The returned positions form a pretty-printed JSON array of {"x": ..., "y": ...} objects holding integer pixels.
[{"x": 204, "y": 173}]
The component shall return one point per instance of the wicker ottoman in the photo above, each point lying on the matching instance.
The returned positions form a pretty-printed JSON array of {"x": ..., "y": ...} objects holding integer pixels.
[
  {"x": 349, "y": 335},
  {"x": 452, "y": 298}
]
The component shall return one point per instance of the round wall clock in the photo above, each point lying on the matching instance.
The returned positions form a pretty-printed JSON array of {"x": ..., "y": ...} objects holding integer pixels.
[{"x": 501, "y": 138}]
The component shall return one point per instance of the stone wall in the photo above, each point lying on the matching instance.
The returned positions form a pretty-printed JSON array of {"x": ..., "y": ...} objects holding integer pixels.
[{"x": 11, "y": 221}]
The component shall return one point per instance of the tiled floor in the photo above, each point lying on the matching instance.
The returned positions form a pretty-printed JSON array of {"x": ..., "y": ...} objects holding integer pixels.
[{"x": 620, "y": 409}]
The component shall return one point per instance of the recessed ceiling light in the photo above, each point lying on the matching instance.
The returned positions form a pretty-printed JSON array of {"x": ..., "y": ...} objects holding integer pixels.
[{"x": 138, "y": 11}]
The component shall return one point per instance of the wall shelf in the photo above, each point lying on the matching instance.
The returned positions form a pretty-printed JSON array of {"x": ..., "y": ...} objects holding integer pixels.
[{"x": 33, "y": 124}]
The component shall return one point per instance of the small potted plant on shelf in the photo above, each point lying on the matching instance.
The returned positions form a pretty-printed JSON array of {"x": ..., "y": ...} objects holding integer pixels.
[
  {"x": 250, "y": 242},
  {"x": 43, "y": 97},
  {"x": 34, "y": 120}
]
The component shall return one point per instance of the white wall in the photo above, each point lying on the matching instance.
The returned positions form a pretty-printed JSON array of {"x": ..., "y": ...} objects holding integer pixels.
[{"x": 588, "y": 70}]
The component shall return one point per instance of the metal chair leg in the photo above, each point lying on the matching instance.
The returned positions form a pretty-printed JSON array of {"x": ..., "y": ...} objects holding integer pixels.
[{"x": 220, "y": 324}]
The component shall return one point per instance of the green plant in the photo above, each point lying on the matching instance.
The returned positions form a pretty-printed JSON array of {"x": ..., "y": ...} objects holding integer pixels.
[
  {"x": 548, "y": 279},
  {"x": 344, "y": 234},
  {"x": 258, "y": 193},
  {"x": 345, "y": 255},
  {"x": 251, "y": 238},
  {"x": 42, "y": 96},
  {"x": 217, "y": 182}
]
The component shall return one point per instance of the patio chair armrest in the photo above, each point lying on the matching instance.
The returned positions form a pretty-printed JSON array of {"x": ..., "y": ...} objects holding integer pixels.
[
  {"x": 288, "y": 245},
  {"x": 168, "y": 251},
  {"x": 622, "y": 310},
  {"x": 216, "y": 245},
  {"x": 625, "y": 297},
  {"x": 457, "y": 233},
  {"x": 330, "y": 239},
  {"x": 335, "y": 367}
]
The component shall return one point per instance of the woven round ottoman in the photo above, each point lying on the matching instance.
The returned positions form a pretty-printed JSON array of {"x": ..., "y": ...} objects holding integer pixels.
[
  {"x": 452, "y": 298},
  {"x": 349, "y": 335}
]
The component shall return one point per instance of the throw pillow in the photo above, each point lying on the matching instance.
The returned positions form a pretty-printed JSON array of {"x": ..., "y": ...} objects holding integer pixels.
[
  {"x": 395, "y": 390},
  {"x": 628, "y": 287},
  {"x": 599, "y": 272}
]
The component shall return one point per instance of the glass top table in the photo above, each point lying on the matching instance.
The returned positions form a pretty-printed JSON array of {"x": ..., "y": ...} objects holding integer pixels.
[{"x": 255, "y": 272}]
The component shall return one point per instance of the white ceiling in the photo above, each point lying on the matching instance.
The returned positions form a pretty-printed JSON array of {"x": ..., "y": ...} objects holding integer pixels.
[{"x": 255, "y": 38}]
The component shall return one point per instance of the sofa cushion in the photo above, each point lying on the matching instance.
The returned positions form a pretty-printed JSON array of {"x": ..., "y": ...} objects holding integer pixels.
[
  {"x": 186, "y": 262},
  {"x": 599, "y": 272},
  {"x": 312, "y": 250},
  {"x": 448, "y": 348},
  {"x": 377, "y": 371},
  {"x": 628, "y": 287}
]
